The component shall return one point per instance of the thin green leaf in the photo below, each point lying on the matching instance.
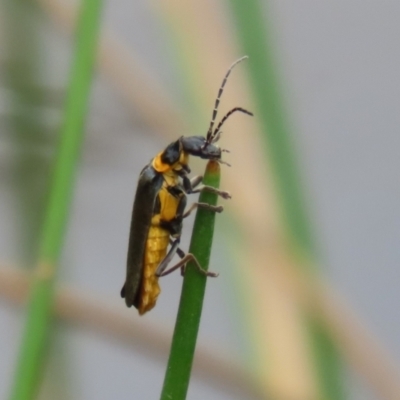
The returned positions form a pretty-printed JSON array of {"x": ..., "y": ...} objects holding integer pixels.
[{"x": 32, "y": 352}]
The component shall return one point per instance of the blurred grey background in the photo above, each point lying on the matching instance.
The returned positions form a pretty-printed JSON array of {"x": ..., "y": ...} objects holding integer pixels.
[{"x": 339, "y": 66}]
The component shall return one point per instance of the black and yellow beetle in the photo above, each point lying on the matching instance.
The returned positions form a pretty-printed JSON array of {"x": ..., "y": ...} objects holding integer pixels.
[{"x": 159, "y": 209}]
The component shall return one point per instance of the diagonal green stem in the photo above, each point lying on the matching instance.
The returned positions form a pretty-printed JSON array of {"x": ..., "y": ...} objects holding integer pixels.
[
  {"x": 32, "y": 352},
  {"x": 180, "y": 360}
]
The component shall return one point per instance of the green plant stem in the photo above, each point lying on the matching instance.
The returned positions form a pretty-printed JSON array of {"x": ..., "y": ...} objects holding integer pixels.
[
  {"x": 28, "y": 132},
  {"x": 180, "y": 360},
  {"x": 250, "y": 18},
  {"x": 32, "y": 352}
]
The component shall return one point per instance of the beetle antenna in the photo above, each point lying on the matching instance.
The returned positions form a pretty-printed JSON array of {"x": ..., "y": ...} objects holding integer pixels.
[
  {"x": 215, "y": 134},
  {"x": 215, "y": 138},
  {"x": 220, "y": 91}
]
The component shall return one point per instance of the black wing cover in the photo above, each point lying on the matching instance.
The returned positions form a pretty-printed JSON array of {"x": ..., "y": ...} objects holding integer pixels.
[{"x": 150, "y": 182}]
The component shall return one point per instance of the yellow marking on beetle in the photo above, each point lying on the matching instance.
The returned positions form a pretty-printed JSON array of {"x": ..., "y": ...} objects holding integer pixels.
[
  {"x": 156, "y": 250},
  {"x": 169, "y": 205},
  {"x": 163, "y": 168},
  {"x": 158, "y": 165},
  {"x": 184, "y": 158},
  {"x": 156, "y": 245}
]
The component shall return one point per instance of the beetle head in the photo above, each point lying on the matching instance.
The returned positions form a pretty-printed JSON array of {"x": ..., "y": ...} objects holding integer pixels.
[{"x": 199, "y": 146}]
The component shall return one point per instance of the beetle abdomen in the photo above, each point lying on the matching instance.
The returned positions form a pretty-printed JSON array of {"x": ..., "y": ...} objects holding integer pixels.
[{"x": 156, "y": 250}]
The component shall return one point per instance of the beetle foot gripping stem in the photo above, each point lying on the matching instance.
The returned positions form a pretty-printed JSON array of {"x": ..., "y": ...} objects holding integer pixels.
[
  {"x": 225, "y": 195},
  {"x": 191, "y": 257},
  {"x": 204, "y": 206},
  {"x": 182, "y": 255},
  {"x": 182, "y": 264}
]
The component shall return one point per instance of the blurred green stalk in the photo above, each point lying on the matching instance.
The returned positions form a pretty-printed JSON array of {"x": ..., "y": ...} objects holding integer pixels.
[
  {"x": 177, "y": 376},
  {"x": 32, "y": 352},
  {"x": 250, "y": 17},
  {"x": 24, "y": 123}
]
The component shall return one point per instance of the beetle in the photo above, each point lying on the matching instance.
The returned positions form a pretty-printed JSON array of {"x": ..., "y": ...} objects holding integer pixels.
[{"x": 159, "y": 210}]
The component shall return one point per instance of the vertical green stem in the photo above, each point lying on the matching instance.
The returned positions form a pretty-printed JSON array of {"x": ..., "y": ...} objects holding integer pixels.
[
  {"x": 250, "y": 17},
  {"x": 32, "y": 352},
  {"x": 180, "y": 360},
  {"x": 258, "y": 45}
]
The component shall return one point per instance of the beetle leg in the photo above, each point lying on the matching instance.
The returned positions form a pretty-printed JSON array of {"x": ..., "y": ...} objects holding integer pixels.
[
  {"x": 222, "y": 193},
  {"x": 195, "y": 181},
  {"x": 181, "y": 254},
  {"x": 224, "y": 162},
  {"x": 179, "y": 251},
  {"x": 167, "y": 259},
  {"x": 204, "y": 206},
  {"x": 181, "y": 264},
  {"x": 191, "y": 186}
]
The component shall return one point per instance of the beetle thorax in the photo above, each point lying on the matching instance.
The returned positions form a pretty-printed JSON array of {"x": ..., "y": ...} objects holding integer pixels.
[{"x": 164, "y": 167}]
